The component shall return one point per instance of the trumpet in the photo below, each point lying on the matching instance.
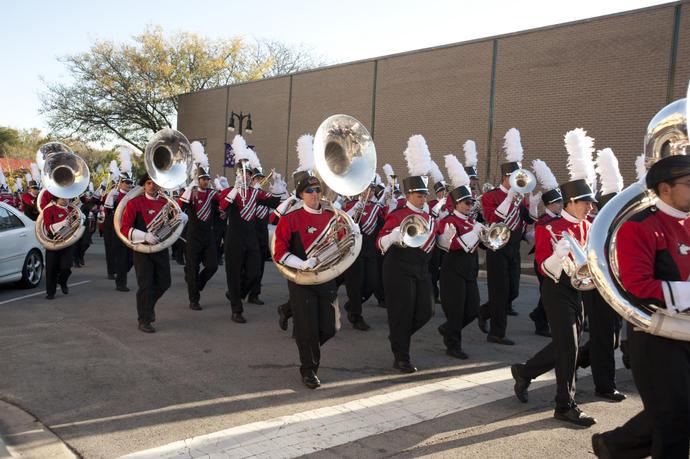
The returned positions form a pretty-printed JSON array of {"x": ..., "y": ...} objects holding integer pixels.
[
  {"x": 522, "y": 181},
  {"x": 241, "y": 179},
  {"x": 265, "y": 180},
  {"x": 495, "y": 236},
  {"x": 415, "y": 231},
  {"x": 575, "y": 268}
]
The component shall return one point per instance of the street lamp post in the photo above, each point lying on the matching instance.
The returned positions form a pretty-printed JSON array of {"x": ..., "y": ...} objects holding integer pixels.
[{"x": 241, "y": 117}]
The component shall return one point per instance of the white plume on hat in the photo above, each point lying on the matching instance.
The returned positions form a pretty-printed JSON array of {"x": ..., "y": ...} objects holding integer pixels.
[
  {"x": 224, "y": 182},
  {"x": 216, "y": 184},
  {"x": 388, "y": 170},
  {"x": 114, "y": 171},
  {"x": 305, "y": 152},
  {"x": 417, "y": 156},
  {"x": 546, "y": 178},
  {"x": 580, "y": 148},
  {"x": 456, "y": 173},
  {"x": 436, "y": 174},
  {"x": 254, "y": 162},
  {"x": 512, "y": 145},
  {"x": 609, "y": 175},
  {"x": 377, "y": 179},
  {"x": 470, "y": 149},
  {"x": 18, "y": 185},
  {"x": 36, "y": 172},
  {"x": 28, "y": 178},
  {"x": 125, "y": 156},
  {"x": 199, "y": 154},
  {"x": 641, "y": 167},
  {"x": 3, "y": 180},
  {"x": 240, "y": 148}
]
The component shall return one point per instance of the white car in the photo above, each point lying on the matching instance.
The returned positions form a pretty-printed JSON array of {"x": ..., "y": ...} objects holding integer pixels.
[{"x": 21, "y": 255}]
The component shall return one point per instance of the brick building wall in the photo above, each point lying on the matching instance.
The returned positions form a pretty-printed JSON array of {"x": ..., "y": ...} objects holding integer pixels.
[{"x": 608, "y": 75}]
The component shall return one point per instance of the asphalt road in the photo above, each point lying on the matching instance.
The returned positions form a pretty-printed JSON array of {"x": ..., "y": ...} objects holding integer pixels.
[{"x": 79, "y": 364}]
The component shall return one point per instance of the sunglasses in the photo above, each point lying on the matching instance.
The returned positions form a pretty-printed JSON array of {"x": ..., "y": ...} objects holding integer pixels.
[{"x": 314, "y": 189}]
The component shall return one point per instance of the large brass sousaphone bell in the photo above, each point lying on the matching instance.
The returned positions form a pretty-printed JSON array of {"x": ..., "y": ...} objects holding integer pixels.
[
  {"x": 168, "y": 161},
  {"x": 667, "y": 134},
  {"x": 345, "y": 160},
  {"x": 65, "y": 175}
]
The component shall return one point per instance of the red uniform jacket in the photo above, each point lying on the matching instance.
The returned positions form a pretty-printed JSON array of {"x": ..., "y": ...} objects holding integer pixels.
[
  {"x": 248, "y": 208},
  {"x": 8, "y": 198},
  {"x": 370, "y": 215},
  {"x": 299, "y": 230},
  {"x": 544, "y": 241},
  {"x": 203, "y": 203},
  {"x": 139, "y": 212},
  {"x": 53, "y": 214},
  {"x": 393, "y": 220},
  {"x": 515, "y": 217},
  {"x": 113, "y": 199},
  {"x": 463, "y": 225},
  {"x": 653, "y": 247}
]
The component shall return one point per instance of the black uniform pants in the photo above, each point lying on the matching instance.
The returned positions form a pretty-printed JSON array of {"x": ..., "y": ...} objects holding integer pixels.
[
  {"x": 503, "y": 282},
  {"x": 58, "y": 268},
  {"x": 435, "y": 269},
  {"x": 661, "y": 370},
  {"x": 409, "y": 298},
  {"x": 604, "y": 338},
  {"x": 200, "y": 249},
  {"x": 242, "y": 263},
  {"x": 153, "y": 279},
  {"x": 262, "y": 237},
  {"x": 459, "y": 295},
  {"x": 354, "y": 278},
  {"x": 122, "y": 261},
  {"x": 316, "y": 318},
  {"x": 538, "y": 314},
  {"x": 563, "y": 306},
  {"x": 108, "y": 235},
  {"x": 81, "y": 246}
]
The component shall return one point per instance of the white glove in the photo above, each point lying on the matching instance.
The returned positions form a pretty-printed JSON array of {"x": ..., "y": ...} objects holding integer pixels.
[
  {"x": 232, "y": 195},
  {"x": 278, "y": 188},
  {"x": 394, "y": 237},
  {"x": 447, "y": 236},
  {"x": 562, "y": 248},
  {"x": 529, "y": 236},
  {"x": 285, "y": 205},
  {"x": 55, "y": 227},
  {"x": 184, "y": 218},
  {"x": 150, "y": 238},
  {"x": 477, "y": 228},
  {"x": 309, "y": 263},
  {"x": 504, "y": 207},
  {"x": 437, "y": 208},
  {"x": 356, "y": 208},
  {"x": 534, "y": 199},
  {"x": 297, "y": 263},
  {"x": 676, "y": 296},
  {"x": 187, "y": 193},
  {"x": 385, "y": 193}
]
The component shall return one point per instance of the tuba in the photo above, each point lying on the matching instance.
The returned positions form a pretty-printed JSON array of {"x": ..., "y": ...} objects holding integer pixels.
[
  {"x": 667, "y": 134},
  {"x": 345, "y": 161},
  {"x": 168, "y": 161},
  {"x": 65, "y": 175}
]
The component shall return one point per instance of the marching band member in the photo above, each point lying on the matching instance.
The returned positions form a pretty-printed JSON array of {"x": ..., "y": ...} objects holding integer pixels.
[
  {"x": 118, "y": 256},
  {"x": 459, "y": 237},
  {"x": 406, "y": 278},
  {"x": 58, "y": 262},
  {"x": 29, "y": 205},
  {"x": 200, "y": 203},
  {"x": 242, "y": 253},
  {"x": 314, "y": 307},
  {"x": 604, "y": 323},
  {"x": 440, "y": 190},
  {"x": 152, "y": 269},
  {"x": 553, "y": 204},
  {"x": 562, "y": 302},
  {"x": 654, "y": 263},
  {"x": 503, "y": 265},
  {"x": 262, "y": 235}
]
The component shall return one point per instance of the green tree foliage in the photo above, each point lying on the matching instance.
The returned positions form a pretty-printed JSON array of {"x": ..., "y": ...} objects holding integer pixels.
[
  {"x": 8, "y": 138},
  {"x": 126, "y": 91}
]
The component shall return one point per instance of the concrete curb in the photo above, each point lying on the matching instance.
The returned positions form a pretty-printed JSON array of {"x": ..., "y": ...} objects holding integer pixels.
[{"x": 22, "y": 435}]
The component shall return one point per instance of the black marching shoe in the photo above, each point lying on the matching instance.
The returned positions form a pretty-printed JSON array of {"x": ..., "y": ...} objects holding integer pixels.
[
  {"x": 404, "y": 366},
  {"x": 282, "y": 319},
  {"x": 457, "y": 353},
  {"x": 360, "y": 324},
  {"x": 238, "y": 317},
  {"x": 613, "y": 395},
  {"x": 499, "y": 340},
  {"x": 64, "y": 288},
  {"x": 601, "y": 450},
  {"x": 311, "y": 380},
  {"x": 575, "y": 416},
  {"x": 437, "y": 300},
  {"x": 122, "y": 288},
  {"x": 521, "y": 384},
  {"x": 111, "y": 276},
  {"x": 146, "y": 328},
  {"x": 254, "y": 299},
  {"x": 545, "y": 332},
  {"x": 483, "y": 324},
  {"x": 194, "y": 306},
  {"x": 50, "y": 296},
  {"x": 512, "y": 312}
]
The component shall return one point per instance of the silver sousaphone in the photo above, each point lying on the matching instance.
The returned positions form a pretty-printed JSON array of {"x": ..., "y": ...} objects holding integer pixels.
[
  {"x": 168, "y": 161},
  {"x": 345, "y": 161}
]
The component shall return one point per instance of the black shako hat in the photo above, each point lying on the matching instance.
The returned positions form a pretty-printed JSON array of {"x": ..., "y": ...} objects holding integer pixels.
[
  {"x": 472, "y": 172},
  {"x": 299, "y": 176},
  {"x": 461, "y": 193},
  {"x": 34, "y": 184},
  {"x": 440, "y": 186},
  {"x": 577, "y": 190},
  {"x": 202, "y": 172},
  {"x": 306, "y": 182},
  {"x": 143, "y": 179},
  {"x": 257, "y": 173},
  {"x": 668, "y": 169},
  {"x": 126, "y": 177},
  {"x": 548, "y": 197},
  {"x": 416, "y": 183},
  {"x": 510, "y": 167}
]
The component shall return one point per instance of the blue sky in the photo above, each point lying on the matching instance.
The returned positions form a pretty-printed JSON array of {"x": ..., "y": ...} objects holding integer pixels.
[{"x": 35, "y": 33}]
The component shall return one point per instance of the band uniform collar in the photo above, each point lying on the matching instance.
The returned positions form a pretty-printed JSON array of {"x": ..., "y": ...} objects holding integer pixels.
[
  {"x": 570, "y": 218},
  {"x": 503, "y": 189},
  {"x": 550, "y": 214},
  {"x": 313, "y": 211},
  {"x": 413, "y": 208},
  {"x": 460, "y": 215},
  {"x": 670, "y": 211}
]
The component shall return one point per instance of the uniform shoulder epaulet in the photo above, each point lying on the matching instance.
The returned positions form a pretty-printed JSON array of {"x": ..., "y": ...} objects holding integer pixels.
[{"x": 643, "y": 214}]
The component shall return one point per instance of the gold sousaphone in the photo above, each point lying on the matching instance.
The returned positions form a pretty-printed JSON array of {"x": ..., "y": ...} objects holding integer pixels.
[
  {"x": 168, "y": 161},
  {"x": 345, "y": 161}
]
